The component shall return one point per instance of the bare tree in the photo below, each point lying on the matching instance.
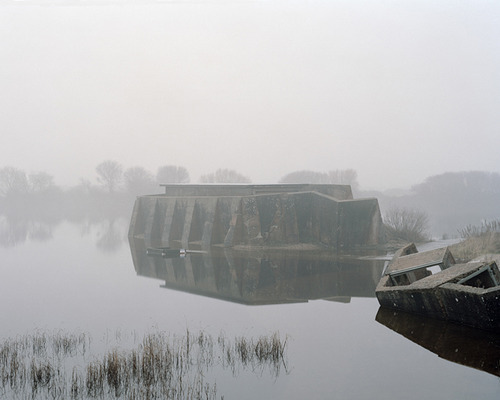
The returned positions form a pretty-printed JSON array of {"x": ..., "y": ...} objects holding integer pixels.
[
  {"x": 13, "y": 181},
  {"x": 109, "y": 174},
  {"x": 172, "y": 174},
  {"x": 406, "y": 224},
  {"x": 84, "y": 187},
  {"x": 344, "y": 177},
  {"x": 138, "y": 180},
  {"x": 41, "y": 182},
  {"x": 224, "y": 176}
]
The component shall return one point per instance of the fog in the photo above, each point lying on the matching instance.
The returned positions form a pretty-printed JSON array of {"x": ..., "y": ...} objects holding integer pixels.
[{"x": 398, "y": 91}]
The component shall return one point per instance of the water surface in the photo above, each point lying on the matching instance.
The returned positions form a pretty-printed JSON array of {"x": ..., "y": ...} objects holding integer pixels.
[{"x": 86, "y": 277}]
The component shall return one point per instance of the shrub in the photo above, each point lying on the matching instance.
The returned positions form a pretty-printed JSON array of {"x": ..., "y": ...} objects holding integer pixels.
[{"x": 406, "y": 224}]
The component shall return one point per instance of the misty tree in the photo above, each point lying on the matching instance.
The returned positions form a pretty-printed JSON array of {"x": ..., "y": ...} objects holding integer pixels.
[
  {"x": 454, "y": 184},
  {"x": 474, "y": 195},
  {"x": 224, "y": 176},
  {"x": 40, "y": 182},
  {"x": 344, "y": 177},
  {"x": 109, "y": 174},
  {"x": 138, "y": 180},
  {"x": 84, "y": 187},
  {"x": 172, "y": 174},
  {"x": 13, "y": 181}
]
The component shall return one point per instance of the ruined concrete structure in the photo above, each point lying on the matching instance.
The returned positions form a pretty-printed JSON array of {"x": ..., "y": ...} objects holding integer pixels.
[
  {"x": 202, "y": 216},
  {"x": 463, "y": 293}
]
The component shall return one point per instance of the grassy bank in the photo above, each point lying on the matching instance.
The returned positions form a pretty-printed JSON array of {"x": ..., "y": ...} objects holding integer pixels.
[{"x": 485, "y": 246}]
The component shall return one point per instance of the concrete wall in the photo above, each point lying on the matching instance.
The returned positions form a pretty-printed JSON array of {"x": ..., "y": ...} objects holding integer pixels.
[
  {"x": 458, "y": 303},
  {"x": 272, "y": 217},
  {"x": 339, "y": 192}
]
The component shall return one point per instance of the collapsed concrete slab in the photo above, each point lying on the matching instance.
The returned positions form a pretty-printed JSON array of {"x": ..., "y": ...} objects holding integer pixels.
[
  {"x": 202, "y": 216},
  {"x": 468, "y": 293}
]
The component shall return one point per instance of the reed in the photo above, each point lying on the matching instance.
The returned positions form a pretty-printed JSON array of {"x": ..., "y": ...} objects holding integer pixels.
[
  {"x": 480, "y": 240},
  {"x": 485, "y": 227},
  {"x": 159, "y": 366}
]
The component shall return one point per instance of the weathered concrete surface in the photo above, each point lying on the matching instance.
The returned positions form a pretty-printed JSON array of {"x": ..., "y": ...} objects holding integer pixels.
[
  {"x": 339, "y": 192},
  {"x": 441, "y": 257},
  {"x": 267, "y": 277},
  {"x": 202, "y": 216},
  {"x": 441, "y": 295}
]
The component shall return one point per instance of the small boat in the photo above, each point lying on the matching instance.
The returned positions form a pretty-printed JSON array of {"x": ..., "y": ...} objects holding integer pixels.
[
  {"x": 165, "y": 252},
  {"x": 432, "y": 284}
]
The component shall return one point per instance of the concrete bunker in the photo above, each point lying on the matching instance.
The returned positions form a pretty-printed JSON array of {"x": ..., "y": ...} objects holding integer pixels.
[{"x": 203, "y": 216}]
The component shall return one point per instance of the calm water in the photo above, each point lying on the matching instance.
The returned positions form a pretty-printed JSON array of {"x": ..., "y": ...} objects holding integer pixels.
[{"x": 87, "y": 277}]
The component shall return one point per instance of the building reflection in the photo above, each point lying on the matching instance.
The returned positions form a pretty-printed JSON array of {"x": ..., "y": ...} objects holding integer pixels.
[
  {"x": 453, "y": 342},
  {"x": 270, "y": 277}
]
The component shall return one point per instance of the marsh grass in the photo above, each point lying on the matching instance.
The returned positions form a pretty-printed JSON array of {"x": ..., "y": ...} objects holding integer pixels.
[
  {"x": 485, "y": 228},
  {"x": 479, "y": 240},
  {"x": 474, "y": 247},
  {"x": 265, "y": 352},
  {"x": 62, "y": 366}
]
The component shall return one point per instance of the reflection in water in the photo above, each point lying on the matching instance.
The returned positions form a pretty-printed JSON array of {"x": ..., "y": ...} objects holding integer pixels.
[
  {"x": 264, "y": 278},
  {"x": 460, "y": 344},
  {"x": 12, "y": 232},
  {"x": 40, "y": 231},
  {"x": 111, "y": 238},
  {"x": 36, "y": 219},
  {"x": 16, "y": 229}
]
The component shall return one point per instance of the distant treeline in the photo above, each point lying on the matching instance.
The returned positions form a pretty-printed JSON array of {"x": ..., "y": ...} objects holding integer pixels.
[
  {"x": 113, "y": 178},
  {"x": 451, "y": 200}
]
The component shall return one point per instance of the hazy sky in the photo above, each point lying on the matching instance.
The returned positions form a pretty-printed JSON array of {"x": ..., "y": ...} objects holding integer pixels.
[{"x": 398, "y": 90}]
